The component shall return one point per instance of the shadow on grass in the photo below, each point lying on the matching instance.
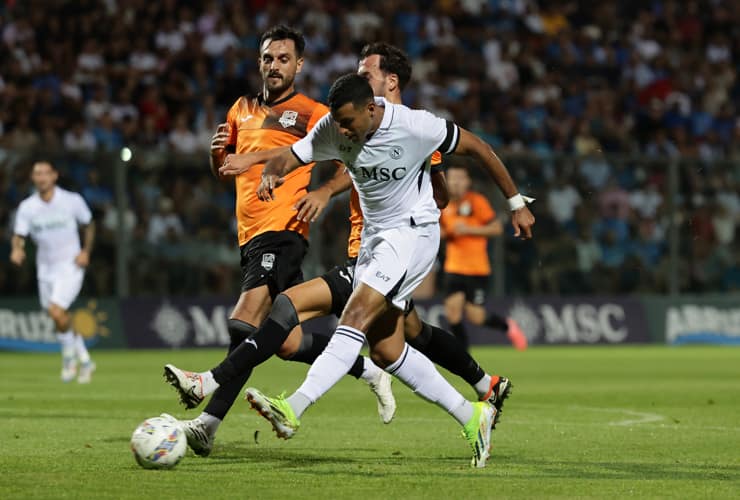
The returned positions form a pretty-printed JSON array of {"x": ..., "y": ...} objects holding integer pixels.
[
  {"x": 385, "y": 462},
  {"x": 522, "y": 467},
  {"x": 297, "y": 458}
]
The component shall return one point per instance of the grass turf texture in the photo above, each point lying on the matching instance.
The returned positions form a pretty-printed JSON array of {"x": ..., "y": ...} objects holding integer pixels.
[{"x": 641, "y": 422}]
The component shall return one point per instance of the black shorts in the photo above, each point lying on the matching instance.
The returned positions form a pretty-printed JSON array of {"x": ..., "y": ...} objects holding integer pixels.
[
  {"x": 273, "y": 259},
  {"x": 474, "y": 287},
  {"x": 340, "y": 279}
]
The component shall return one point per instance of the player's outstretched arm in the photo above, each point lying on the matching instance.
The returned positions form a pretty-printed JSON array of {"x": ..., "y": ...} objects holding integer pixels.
[
  {"x": 235, "y": 164},
  {"x": 473, "y": 146},
  {"x": 314, "y": 202},
  {"x": 274, "y": 171}
]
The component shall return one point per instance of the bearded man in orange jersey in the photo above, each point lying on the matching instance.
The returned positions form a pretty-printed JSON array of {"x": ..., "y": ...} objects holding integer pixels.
[{"x": 272, "y": 237}]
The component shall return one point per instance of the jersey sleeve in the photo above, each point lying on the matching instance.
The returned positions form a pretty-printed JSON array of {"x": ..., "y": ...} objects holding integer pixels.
[
  {"x": 483, "y": 210},
  {"x": 436, "y": 134},
  {"x": 231, "y": 119},
  {"x": 22, "y": 223},
  {"x": 82, "y": 211},
  {"x": 319, "y": 143}
]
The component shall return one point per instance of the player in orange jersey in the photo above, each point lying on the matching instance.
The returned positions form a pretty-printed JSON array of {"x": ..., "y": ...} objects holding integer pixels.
[
  {"x": 272, "y": 237},
  {"x": 388, "y": 70},
  {"x": 467, "y": 223}
]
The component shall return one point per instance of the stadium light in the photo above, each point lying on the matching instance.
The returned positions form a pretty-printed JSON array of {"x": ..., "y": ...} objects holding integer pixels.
[{"x": 126, "y": 155}]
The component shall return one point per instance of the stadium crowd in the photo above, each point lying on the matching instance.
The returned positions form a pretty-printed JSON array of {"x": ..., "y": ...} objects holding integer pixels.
[{"x": 557, "y": 87}]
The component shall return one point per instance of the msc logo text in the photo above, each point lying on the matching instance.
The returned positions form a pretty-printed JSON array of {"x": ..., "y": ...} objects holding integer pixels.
[{"x": 381, "y": 173}]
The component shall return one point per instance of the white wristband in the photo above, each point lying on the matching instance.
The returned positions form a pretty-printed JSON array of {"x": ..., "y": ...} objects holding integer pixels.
[
  {"x": 518, "y": 201},
  {"x": 515, "y": 202}
]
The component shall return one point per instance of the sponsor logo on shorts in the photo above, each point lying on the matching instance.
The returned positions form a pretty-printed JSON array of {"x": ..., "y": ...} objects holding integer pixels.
[
  {"x": 268, "y": 261},
  {"x": 382, "y": 276}
]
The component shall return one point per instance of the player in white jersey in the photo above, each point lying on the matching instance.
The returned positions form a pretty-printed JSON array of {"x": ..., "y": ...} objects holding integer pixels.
[
  {"x": 52, "y": 217},
  {"x": 386, "y": 149}
]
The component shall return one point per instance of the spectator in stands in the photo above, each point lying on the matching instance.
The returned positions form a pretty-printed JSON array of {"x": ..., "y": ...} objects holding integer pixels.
[
  {"x": 165, "y": 224},
  {"x": 79, "y": 139}
]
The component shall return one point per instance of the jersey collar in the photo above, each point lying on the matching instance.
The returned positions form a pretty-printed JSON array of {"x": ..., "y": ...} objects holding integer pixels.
[
  {"x": 261, "y": 98},
  {"x": 385, "y": 123}
]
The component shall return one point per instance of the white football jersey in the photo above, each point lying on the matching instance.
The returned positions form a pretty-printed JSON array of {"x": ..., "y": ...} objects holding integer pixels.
[
  {"x": 390, "y": 170},
  {"x": 53, "y": 226}
]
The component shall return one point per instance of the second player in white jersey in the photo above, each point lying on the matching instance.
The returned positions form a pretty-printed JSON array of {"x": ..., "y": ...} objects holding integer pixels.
[
  {"x": 391, "y": 168},
  {"x": 54, "y": 226},
  {"x": 52, "y": 218}
]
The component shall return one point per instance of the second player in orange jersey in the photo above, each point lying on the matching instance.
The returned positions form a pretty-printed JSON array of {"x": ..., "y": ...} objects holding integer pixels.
[{"x": 467, "y": 223}]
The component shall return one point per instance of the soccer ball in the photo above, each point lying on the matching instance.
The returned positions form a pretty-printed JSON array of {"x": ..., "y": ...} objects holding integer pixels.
[{"x": 158, "y": 443}]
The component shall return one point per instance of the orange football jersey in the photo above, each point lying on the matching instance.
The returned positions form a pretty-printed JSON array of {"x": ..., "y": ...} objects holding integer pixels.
[
  {"x": 467, "y": 254},
  {"x": 256, "y": 126}
]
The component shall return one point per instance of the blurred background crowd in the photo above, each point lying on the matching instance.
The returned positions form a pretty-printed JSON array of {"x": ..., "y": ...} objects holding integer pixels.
[{"x": 589, "y": 103}]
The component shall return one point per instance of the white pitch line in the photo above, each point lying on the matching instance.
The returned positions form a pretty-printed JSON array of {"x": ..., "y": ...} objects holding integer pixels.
[{"x": 643, "y": 417}]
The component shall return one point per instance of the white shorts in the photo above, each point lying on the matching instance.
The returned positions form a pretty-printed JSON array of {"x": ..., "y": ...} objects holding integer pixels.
[
  {"x": 395, "y": 261},
  {"x": 60, "y": 285}
]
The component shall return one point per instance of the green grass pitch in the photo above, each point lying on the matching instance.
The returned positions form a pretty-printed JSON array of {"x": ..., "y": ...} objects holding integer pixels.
[{"x": 599, "y": 422}]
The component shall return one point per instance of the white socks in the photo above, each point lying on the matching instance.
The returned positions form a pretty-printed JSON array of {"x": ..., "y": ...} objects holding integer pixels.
[
  {"x": 412, "y": 368},
  {"x": 73, "y": 347},
  {"x": 209, "y": 383},
  {"x": 483, "y": 385},
  {"x": 333, "y": 364},
  {"x": 370, "y": 370},
  {"x": 419, "y": 374},
  {"x": 81, "y": 350},
  {"x": 210, "y": 422},
  {"x": 68, "y": 344}
]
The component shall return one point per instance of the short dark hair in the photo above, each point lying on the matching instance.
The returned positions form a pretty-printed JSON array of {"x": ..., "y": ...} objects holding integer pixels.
[
  {"x": 47, "y": 161},
  {"x": 392, "y": 60},
  {"x": 349, "y": 88},
  {"x": 284, "y": 32}
]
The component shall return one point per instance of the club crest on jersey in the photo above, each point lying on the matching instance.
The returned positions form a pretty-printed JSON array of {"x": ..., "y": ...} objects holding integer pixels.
[
  {"x": 395, "y": 152},
  {"x": 465, "y": 210},
  {"x": 288, "y": 118},
  {"x": 268, "y": 261}
]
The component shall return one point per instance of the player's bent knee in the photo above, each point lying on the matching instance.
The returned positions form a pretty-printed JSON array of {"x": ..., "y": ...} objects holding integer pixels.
[
  {"x": 283, "y": 312},
  {"x": 60, "y": 317},
  {"x": 357, "y": 317},
  {"x": 380, "y": 360},
  {"x": 385, "y": 355}
]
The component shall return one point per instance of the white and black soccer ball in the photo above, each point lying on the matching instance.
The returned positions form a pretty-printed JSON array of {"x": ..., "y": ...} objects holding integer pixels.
[{"x": 158, "y": 443}]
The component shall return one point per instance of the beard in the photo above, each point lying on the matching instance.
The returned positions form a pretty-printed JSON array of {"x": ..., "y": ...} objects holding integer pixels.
[{"x": 280, "y": 85}]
